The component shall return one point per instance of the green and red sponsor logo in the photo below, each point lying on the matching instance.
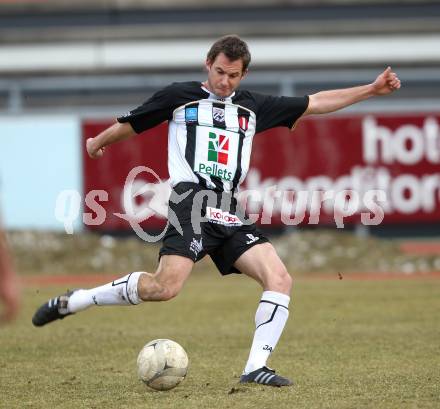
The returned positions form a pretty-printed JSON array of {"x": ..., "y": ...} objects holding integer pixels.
[
  {"x": 218, "y": 152},
  {"x": 218, "y": 148}
]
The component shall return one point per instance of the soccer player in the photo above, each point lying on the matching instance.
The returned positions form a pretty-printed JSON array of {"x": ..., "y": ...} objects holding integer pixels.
[
  {"x": 9, "y": 291},
  {"x": 210, "y": 129}
]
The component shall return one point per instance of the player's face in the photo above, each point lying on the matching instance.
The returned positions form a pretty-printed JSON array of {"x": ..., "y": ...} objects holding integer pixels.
[{"x": 224, "y": 75}]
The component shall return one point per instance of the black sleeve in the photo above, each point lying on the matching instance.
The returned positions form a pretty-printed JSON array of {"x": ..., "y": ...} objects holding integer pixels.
[
  {"x": 154, "y": 111},
  {"x": 279, "y": 111}
]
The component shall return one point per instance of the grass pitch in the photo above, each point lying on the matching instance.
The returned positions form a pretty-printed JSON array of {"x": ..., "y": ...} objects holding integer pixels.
[{"x": 348, "y": 344}]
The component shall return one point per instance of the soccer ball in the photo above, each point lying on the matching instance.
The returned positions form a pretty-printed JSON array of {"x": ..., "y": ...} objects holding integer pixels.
[{"x": 162, "y": 364}]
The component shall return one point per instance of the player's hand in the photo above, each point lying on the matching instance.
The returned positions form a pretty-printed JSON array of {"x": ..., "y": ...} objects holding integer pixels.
[
  {"x": 93, "y": 152},
  {"x": 10, "y": 297},
  {"x": 386, "y": 83}
]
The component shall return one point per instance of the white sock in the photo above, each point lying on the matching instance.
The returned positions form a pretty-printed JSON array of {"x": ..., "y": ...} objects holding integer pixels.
[
  {"x": 270, "y": 319},
  {"x": 119, "y": 292}
]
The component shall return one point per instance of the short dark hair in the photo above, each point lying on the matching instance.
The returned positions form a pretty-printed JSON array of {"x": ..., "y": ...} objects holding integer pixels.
[{"x": 233, "y": 47}]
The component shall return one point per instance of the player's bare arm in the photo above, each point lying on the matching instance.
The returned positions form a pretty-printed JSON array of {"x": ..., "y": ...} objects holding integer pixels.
[
  {"x": 329, "y": 101},
  {"x": 115, "y": 133}
]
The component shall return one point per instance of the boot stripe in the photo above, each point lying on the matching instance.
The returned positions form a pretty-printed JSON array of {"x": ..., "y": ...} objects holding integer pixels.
[
  {"x": 263, "y": 378},
  {"x": 259, "y": 376},
  {"x": 270, "y": 378}
]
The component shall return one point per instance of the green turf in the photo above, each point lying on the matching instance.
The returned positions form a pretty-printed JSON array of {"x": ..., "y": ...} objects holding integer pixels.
[{"x": 348, "y": 344}]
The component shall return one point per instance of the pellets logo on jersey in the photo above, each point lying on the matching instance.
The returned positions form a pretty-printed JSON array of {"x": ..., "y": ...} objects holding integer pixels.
[
  {"x": 218, "y": 148},
  {"x": 243, "y": 122},
  {"x": 191, "y": 114}
]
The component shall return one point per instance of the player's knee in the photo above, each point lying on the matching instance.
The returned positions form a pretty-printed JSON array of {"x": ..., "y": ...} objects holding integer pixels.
[
  {"x": 281, "y": 281},
  {"x": 158, "y": 292},
  {"x": 285, "y": 281},
  {"x": 151, "y": 288},
  {"x": 288, "y": 281},
  {"x": 171, "y": 286},
  {"x": 170, "y": 292}
]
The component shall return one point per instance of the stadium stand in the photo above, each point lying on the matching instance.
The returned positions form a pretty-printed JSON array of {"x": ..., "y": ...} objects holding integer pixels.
[{"x": 85, "y": 56}]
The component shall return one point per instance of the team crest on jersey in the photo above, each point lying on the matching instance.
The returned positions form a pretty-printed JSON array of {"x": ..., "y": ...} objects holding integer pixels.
[
  {"x": 218, "y": 114},
  {"x": 243, "y": 122},
  {"x": 191, "y": 114}
]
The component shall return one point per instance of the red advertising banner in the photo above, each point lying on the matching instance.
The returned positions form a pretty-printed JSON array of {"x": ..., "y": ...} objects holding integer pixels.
[{"x": 369, "y": 168}]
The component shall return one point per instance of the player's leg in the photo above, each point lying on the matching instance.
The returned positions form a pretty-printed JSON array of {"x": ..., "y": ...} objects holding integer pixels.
[
  {"x": 168, "y": 279},
  {"x": 131, "y": 289},
  {"x": 262, "y": 263},
  {"x": 178, "y": 254},
  {"x": 136, "y": 287}
]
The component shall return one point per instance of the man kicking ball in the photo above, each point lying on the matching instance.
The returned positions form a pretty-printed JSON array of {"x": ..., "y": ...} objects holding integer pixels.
[{"x": 211, "y": 125}]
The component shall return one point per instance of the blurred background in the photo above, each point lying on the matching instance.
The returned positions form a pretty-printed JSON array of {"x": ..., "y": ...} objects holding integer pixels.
[{"x": 67, "y": 69}]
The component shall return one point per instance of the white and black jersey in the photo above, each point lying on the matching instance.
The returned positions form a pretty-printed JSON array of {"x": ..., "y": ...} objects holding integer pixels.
[{"x": 210, "y": 138}]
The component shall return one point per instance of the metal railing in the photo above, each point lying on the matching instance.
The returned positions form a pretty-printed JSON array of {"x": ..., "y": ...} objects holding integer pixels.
[{"x": 421, "y": 89}]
